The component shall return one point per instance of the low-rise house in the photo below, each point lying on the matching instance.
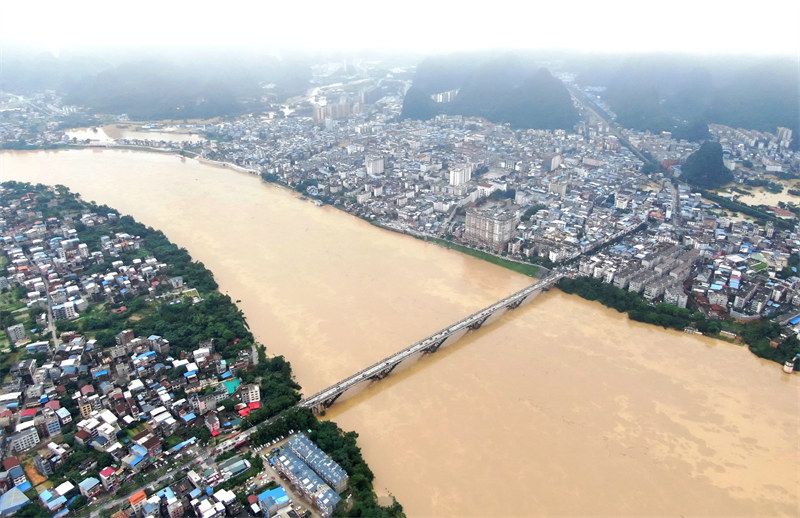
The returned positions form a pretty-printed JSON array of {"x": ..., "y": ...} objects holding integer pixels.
[{"x": 89, "y": 487}]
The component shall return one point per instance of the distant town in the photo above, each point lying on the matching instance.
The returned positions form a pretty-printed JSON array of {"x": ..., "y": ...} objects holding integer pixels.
[{"x": 597, "y": 201}]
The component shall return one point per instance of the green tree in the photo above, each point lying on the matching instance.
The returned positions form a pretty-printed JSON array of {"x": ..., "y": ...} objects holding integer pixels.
[
  {"x": 32, "y": 510},
  {"x": 78, "y": 503},
  {"x": 704, "y": 168}
]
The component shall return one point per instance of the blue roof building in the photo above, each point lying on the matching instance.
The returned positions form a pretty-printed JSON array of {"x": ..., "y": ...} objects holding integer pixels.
[
  {"x": 273, "y": 499},
  {"x": 17, "y": 474},
  {"x": 12, "y": 501},
  {"x": 308, "y": 482},
  {"x": 55, "y": 503},
  {"x": 181, "y": 445},
  {"x": 89, "y": 487},
  {"x": 167, "y": 491},
  {"x": 319, "y": 461},
  {"x": 139, "y": 450}
]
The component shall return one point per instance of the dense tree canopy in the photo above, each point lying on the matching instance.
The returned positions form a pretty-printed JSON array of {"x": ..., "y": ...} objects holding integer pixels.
[
  {"x": 681, "y": 94},
  {"x": 704, "y": 168},
  {"x": 501, "y": 89}
]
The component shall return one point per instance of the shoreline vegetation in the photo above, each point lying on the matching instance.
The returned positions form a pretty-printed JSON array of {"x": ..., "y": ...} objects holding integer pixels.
[
  {"x": 531, "y": 270},
  {"x": 763, "y": 338},
  {"x": 185, "y": 325}
]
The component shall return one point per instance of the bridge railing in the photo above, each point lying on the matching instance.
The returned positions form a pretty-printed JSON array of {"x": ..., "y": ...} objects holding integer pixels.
[{"x": 421, "y": 345}]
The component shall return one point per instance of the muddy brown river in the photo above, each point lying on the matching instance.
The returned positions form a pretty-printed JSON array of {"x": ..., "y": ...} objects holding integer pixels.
[{"x": 562, "y": 407}]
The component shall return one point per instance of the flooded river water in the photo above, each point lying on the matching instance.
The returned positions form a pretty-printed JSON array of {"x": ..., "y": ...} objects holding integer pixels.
[
  {"x": 562, "y": 407},
  {"x": 112, "y": 132}
]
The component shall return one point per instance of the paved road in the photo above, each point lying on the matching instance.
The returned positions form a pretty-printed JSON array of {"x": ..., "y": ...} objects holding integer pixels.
[
  {"x": 188, "y": 461},
  {"x": 95, "y": 513},
  {"x": 50, "y": 321},
  {"x": 191, "y": 455},
  {"x": 613, "y": 127},
  {"x": 269, "y": 473}
]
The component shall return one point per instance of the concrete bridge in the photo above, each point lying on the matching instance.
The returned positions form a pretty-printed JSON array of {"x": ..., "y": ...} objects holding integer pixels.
[{"x": 402, "y": 359}]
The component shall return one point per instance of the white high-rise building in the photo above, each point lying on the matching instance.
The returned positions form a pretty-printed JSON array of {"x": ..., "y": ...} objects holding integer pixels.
[
  {"x": 460, "y": 175},
  {"x": 490, "y": 227},
  {"x": 15, "y": 333},
  {"x": 374, "y": 165}
]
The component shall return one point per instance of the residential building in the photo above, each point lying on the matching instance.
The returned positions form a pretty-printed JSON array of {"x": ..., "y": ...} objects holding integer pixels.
[
  {"x": 374, "y": 165},
  {"x": 43, "y": 465},
  {"x": 89, "y": 487},
  {"x": 250, "y": 393},
  {"x": 65, "y": 311},
  {"x": 212, "y": 423},
  {"x": 308, "y": 483},
  {"x": 24, "y": 440},
  {"x": 15, "y": 333},
  {"x": 272, "y": 500},
  {"x": 490, "y": 227},
  {"x": 53, "y": 425},
  {"x": 85, "y": 407},
  {"x": 319, "y": 461},
  {"x": 108, "y": 477},
  {"x": 137, "y": 501},
  {"x": 460, "y": 175}
]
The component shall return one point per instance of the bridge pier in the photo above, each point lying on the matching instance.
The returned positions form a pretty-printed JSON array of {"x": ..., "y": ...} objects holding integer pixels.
[
  {"x": 382, "y": 374},
  {"x": 408, "y": 361},
  {"x": 432, "y": 348},
  {"x": 517, "y": 303},
  {"x": 478, "y": 323}
]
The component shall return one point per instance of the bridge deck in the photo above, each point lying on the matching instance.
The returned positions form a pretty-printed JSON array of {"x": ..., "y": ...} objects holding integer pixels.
[{"x": 383, "y": 365}]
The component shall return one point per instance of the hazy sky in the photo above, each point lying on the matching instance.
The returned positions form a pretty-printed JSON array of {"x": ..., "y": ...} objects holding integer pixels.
[{"x": 732, "y": 26}]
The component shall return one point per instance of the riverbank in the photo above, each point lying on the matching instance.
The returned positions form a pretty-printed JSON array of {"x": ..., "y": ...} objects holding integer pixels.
[
  {"x": 105, "y": 145},
  {"x": 528, "y": 269},
  {"x": 568, "y": 392},
  {"x": 762, "y": 338},
  {"x": 761, "y": 343},
  {"x": 531, "y": 270},
  {"x": 212, "y": 318}
]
